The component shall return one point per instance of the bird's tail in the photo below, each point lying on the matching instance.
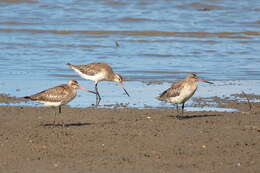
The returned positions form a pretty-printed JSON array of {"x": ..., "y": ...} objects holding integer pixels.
[
  {"x": 158, "y": 97},
  {"x": 69, "y": 64},
  {"x": 161, "y": 97},
  {"x": 27, "y": 97}
]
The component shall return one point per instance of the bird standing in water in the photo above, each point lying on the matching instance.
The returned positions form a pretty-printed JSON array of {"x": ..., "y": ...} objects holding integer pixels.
[
  {"x": 182, "y": 90},
  {"x": 98, "y": 72},
  {"x": 59, "y": 95}
]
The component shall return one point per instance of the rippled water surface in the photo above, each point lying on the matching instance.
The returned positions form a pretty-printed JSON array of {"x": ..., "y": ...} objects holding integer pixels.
[{"x": 158, "y": 40}]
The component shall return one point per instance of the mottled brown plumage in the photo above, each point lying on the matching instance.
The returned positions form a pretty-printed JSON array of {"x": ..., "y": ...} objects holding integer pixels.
[
  {"x": 97, "y": 72},
  {"x": 173, "y": 91},
  {"x": 181, "y": 91},
  {"x": 58, "y": 95}
]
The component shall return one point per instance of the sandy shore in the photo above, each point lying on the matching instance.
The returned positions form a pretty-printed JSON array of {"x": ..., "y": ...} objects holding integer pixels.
[{"x": 128, "y": 140}]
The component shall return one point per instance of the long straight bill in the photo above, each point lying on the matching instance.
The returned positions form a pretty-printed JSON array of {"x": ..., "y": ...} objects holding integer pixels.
[
  {"x": 201, "y": 80},
  {"x": 84, "y": 89},
  {"x": 122, "y": 85}
]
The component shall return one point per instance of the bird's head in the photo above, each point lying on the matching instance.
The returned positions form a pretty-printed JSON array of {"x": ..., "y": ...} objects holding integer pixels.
[
  {"x": 73, "y": 84},
  {"x": 118, "y": 78},
  {"x": 194, "y": 77}
]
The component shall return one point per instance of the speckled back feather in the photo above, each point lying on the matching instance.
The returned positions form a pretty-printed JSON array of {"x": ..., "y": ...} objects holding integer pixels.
[
  {"x": 93, "y": 68},
  {"x": 56, "y": 94},
  {"x": 173, "y": 91}
]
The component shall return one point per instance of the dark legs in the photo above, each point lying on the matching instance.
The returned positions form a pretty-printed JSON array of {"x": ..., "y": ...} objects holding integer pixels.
[
  {"x": 98, "y": 98},
  {"x": 62, "y": 122},
  {"x": 182, "y": 109},
  {"x": 59, "y": 109},
  {"x": 54, "y": 122}
]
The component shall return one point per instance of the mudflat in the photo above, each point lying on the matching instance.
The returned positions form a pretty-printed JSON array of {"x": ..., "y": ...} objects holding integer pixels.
[{"x": 128, "y": 140}]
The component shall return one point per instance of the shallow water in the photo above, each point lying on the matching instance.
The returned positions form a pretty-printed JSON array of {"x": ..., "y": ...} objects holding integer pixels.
[
  {"x": 142, "y": 95},
  {"x": 158, "y": 41}
]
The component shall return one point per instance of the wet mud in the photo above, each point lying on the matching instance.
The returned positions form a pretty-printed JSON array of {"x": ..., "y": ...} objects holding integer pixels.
[{"x": 128, "y": 140}]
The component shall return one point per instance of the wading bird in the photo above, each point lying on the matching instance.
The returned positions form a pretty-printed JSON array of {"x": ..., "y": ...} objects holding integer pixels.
[
  {"x": 98, "y": 72},
  {"x": 182, "y": 90},
  {"x": 59, "y": 95}
]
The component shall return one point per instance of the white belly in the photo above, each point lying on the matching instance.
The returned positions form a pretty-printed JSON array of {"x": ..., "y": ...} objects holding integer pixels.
[
  {"x": 97, "y": 77},
  {"x": 45, "y": 103}
]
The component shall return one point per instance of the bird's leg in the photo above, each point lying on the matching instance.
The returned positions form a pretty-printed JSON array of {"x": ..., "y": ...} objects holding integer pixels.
[
  {"x": 59, "y": 109},
  {"x": 62, "y": 122},
  {"x": 54, "y": 121},
  {"x": 98, "y": 98},
  {"x": 96, "y": 88},
  {"x": 177, "y": 107},
  {"x": 182, "y": 109}
]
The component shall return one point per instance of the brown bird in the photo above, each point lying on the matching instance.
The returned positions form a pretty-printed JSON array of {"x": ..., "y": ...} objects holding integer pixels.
[
  {"x": 98, "y": 72},
  {"x": 59, "y": 95},
  {"x": 182, "y": 90}
]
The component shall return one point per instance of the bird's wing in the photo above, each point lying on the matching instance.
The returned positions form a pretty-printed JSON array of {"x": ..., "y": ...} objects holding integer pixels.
[
  {"x": 172, "y": 92},
  {"x": 55, "y": 94},
  {"x": 92, "y": 69}
]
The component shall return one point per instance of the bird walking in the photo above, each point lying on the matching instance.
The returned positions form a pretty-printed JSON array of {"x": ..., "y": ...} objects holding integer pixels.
[
  {"x": 59, "y": 95},
  {"x": 98, "y": 72},
  {"x": 182, "y": 90}
]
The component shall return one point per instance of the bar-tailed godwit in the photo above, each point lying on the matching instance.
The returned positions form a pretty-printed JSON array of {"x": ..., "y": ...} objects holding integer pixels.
[
  {"x": 182, "y": 90},
  {"x": 59, "y": 95},
  {"x": 98, "y": 72}
]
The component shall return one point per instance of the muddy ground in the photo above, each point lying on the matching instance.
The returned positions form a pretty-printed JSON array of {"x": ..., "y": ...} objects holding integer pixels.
[{"x": 128, "y": 140}]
